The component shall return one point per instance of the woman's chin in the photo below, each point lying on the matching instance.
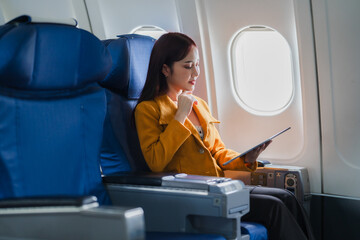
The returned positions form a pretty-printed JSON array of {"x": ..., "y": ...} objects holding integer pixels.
[{"x": 190, "y": 89}]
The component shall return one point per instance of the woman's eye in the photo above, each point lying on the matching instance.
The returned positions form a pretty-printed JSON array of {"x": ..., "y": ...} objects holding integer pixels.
[{"x": 188, "y": 67}]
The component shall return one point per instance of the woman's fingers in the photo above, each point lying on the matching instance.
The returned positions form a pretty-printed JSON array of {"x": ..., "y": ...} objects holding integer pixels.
[
  {"x": 261, "y": 148},
  {"x": 185, "y": 103},
  {"x": 187, "y": 95},
  {"x": 264, "y": 146},
  {"x": 254, "y": 154},
  {"x": 267, "y": 144},
  {"x": 194, "y": 100}
]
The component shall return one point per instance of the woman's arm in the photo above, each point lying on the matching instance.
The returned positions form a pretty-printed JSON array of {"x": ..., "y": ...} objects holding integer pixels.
[{"x": 158, "y": 145}]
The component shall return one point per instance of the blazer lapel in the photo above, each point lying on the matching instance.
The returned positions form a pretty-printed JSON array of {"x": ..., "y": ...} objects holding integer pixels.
[
  {"x": 205, "y": 118},
  {"x": 167, "y": 109}
]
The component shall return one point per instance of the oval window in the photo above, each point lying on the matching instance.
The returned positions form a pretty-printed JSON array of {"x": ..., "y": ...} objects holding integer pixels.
[{"x": 263, "y": 73}]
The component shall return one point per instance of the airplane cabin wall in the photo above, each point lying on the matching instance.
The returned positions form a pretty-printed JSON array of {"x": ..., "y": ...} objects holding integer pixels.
[
  {"x": 241, "y": 129},
  {"x": 64, "y": 9},
  {"x": 213, "y": 25},
  {"x": 113, "y": 17},
  {"x": 337, "y": 35},
  {"x": 2, "y": 19}
]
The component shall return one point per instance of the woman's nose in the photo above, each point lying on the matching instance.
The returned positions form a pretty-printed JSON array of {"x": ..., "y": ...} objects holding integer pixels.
[{"x": 196, "y": 71}]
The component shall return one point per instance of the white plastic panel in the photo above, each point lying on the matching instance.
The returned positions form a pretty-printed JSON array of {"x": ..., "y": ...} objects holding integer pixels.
[
  {"x": 240, "y": 129},
  {"x": 63, "y": 9},
  {"x": 251, "y": 128},
  {"x": 113, "y": 17},
  {"x": 337, "y": 35},
  {"x": 2, "y": 20},
  {"x": 190, "y": 24}
]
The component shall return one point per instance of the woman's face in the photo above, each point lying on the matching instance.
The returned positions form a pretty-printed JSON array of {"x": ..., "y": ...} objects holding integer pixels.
[{"x": 184, "y": 72}]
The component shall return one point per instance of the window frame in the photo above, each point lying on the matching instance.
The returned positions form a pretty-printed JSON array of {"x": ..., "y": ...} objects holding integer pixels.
[
  {"x": 158, "y": 29},
  {"x": 235, "y": 74}
]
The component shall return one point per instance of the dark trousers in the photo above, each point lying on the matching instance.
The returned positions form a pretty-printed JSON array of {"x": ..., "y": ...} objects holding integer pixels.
[{"x": 280, "y": 212}]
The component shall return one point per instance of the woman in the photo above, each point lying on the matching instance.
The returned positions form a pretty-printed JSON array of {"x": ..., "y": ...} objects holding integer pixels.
[{"x": 177, "y": 134}]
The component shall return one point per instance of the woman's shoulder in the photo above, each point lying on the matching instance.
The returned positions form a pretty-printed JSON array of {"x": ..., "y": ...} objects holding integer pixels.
[{"x": 147, "y": 106}]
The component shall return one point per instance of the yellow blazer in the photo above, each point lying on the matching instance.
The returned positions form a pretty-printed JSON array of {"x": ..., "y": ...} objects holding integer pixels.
[{"x": 169, "y": 146}]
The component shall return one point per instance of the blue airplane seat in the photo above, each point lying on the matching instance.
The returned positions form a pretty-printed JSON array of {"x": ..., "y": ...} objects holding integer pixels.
[
  {"x": 256, "y": 231},
  {"x": 121, "y": 149},
  {"x": 51, "y": 110},
  {"x": 181, "y": 236}
]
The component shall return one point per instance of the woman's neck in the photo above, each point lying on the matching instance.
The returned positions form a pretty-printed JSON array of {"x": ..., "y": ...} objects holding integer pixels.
[{"x": 173, "y": 94}]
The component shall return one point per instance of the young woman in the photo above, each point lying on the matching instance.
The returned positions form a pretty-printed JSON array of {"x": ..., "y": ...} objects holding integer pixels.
[{"x": 177, "y": 134}]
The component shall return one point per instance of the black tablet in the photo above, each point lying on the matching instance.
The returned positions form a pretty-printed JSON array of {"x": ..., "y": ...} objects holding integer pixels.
[{"x": 267, "y": 140}]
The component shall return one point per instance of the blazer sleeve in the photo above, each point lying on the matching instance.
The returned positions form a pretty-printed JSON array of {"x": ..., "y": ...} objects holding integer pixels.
[{"x": 158, "y": 145}]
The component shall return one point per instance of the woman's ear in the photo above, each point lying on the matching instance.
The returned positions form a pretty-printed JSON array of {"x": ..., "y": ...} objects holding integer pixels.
[{"x": 166, "y": 70}]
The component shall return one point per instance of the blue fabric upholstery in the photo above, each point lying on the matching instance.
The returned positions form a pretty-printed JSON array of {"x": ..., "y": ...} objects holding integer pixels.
[
  {"x": 182, "y": 236},
  {"x": 51, "y": 110},
  {"x": 255, "y": 230},
  {"x": 120, "y": 149},
  {"x": 130, "y": 54},
  {"x": 44, "y": 57}
]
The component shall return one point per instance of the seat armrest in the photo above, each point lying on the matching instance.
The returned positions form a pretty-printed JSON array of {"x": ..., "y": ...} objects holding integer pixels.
[
  {"x": 183, "y": 203},
  {"x": 48, "y": 202},
  {"x": 78, "y": 218},
  {"x": 136, "y": 178}
]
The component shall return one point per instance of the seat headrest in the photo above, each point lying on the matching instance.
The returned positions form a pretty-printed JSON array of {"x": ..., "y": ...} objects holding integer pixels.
[
  {"x": 130, "y": 55},
  {"x": 49, "y": 56}
]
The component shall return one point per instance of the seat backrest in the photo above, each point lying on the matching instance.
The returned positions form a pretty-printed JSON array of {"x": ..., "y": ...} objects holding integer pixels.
[
  {"x": 121, "y": 149},
  {"x": 51, "y": 110}
]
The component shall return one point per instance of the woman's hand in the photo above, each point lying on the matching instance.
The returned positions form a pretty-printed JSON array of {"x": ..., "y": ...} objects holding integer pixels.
[
  {"x": 185, "y": 103},
  {"x": 251, "y": 157}
]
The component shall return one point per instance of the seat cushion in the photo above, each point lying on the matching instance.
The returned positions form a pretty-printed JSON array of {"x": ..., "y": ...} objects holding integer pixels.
[{"x": 255, "y": 230}]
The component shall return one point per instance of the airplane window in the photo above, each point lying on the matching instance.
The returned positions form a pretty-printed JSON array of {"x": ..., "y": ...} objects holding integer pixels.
[
  {"x": 263, "y": 73},
  {"x": 152, "y": 31}
]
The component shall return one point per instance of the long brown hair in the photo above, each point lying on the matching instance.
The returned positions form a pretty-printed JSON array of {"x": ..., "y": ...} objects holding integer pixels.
[{"x": 169, "y": 48}]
